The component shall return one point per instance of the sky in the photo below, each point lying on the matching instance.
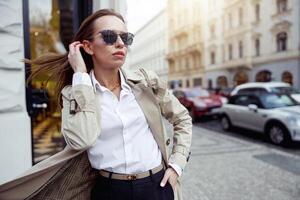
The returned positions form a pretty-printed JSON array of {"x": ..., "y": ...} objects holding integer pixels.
[{"x": 139, "y": 12}]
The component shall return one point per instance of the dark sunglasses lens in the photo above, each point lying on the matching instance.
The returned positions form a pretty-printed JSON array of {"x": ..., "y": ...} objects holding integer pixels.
[
  {"x": 127, "y": 38},
  {"x": 109, "y": 37}
]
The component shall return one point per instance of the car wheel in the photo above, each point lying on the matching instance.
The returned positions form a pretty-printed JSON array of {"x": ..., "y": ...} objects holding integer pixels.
[
  {"x": 278, "y": 134},
  {"x": 225, "y": 122}
]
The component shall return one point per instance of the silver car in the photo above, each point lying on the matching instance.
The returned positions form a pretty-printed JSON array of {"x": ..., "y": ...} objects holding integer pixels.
[
  {"x": 270, "y": 87},
  {"x": 278, "y": 116}
]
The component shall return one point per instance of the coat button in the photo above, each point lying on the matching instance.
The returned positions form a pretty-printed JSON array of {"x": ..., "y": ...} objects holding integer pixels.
[{"x": 168, "y": 141}]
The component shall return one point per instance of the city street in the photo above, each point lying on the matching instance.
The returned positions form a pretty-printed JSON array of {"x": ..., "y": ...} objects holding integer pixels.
[{"x": 231, "y": 166}]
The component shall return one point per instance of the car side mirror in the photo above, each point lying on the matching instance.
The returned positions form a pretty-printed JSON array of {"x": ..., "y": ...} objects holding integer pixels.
[{"x": 253, "y": 107}]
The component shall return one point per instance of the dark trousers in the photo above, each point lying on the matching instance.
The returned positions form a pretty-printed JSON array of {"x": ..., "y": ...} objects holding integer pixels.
[{"x": 142, "y": 189}]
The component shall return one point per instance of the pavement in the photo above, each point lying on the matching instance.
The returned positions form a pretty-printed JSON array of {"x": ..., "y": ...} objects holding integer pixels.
[{"x": 227, "y": 168}]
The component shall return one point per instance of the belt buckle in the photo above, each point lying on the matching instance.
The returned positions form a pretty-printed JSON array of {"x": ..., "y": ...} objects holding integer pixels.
[{"x": 131, "y": 177}]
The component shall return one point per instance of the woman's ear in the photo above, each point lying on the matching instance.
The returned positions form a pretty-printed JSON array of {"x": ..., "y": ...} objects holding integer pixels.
[{"x": 87, "y": 47}]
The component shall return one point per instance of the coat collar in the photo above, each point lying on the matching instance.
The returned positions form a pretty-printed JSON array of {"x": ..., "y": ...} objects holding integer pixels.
[{"x": 133, "y": 76}]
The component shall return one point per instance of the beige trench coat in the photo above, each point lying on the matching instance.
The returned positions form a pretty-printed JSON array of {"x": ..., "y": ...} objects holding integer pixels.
[{"x": 68, "y": 174}]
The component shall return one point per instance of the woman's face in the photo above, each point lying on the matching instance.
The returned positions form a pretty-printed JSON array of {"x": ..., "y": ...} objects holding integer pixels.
[{"x": 112, "y": 55}]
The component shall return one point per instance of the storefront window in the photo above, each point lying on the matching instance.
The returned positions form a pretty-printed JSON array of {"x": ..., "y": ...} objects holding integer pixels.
[
  {"x": 263, "y": 76},
  {"x": 222, "y": 82},
  {"x": 287, "y": 77},
  {"x": 240, "y": 78},
  {"x": 52, "y": 24}
]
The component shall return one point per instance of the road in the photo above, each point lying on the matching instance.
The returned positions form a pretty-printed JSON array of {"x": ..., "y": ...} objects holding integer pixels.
[
  {"x": 251, "y": 136},
  {"x": 229, "y": 166}
]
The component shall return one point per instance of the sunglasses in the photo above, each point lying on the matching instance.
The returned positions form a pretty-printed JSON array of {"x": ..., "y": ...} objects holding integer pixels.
[{"x": 110, "y": 37}]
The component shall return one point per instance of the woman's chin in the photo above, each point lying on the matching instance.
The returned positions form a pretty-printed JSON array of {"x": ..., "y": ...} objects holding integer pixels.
[
  {"x": 114, "y": 65},
  {"x": 117, "y": 64}
]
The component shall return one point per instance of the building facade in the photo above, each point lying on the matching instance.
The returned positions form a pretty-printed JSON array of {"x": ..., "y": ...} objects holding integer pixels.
[
  {"x": 248, "y": 41},
  {"x": 119, "y": 6},
  {"x": 149, "y": 46},
  {"x": 185, "y": 43},
  {"x": 15, "y": 131}
]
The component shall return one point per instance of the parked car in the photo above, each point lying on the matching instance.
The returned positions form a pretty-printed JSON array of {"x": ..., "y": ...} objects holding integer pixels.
[
  {"x": 276, "y": 115},
  {"x": 199, "y": 101},
  {"x": 270, "y": 87}
]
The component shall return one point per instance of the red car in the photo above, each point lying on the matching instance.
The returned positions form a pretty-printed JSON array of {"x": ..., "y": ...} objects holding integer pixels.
[{"x": 199, "y": 101}]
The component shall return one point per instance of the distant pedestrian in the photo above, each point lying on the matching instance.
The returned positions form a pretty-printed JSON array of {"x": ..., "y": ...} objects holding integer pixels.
[{"x": 117, "y": 146}]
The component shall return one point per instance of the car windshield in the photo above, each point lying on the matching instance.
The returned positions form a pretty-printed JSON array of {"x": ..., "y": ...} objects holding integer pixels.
[
  {"x": 197, "y": 92},
  {"x": 277, "y": 100},
  {"x": 284, "y": 90}
]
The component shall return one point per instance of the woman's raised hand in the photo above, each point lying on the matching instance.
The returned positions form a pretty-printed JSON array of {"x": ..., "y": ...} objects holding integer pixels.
[{"x": 75, "y": 58}]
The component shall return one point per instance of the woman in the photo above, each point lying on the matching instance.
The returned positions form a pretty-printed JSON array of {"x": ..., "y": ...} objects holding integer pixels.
[{"x": 117, "y": 146}]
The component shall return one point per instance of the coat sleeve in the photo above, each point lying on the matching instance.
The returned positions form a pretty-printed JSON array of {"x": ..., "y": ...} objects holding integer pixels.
[
  {"x": 178, "y": 116},
  {"x": 80, "y": 124}
]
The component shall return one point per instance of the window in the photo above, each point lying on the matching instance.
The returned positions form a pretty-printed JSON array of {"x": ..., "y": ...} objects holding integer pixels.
[
  {"x": 240, "y": 49},
  {"x": 209, "y": 83},
  {"x": 223, "y": 53},
  {"x": 186, "y": 63},
  {"x": 187, "y": 83},
  {"x": 246, "y": 100},
  {"x": 252, "y": 91},
  {"x": 240, "y": 78},
  {"x": 230, "y": 51},
  {"x": 182, "y": 64},
  {"x": 287, "y": 77},
  {"x": 50, "y": 29},
  {"x": 180, "y": 83},
  {"x": 222, "y": 82},
  {"x": 281, "y": 6},
  {"x": 277, "y": 100},
  {"x": 263, "y": 76},
  {"x": 242, "y": 101},
  {"x": 174, "y": 84},
  {"x": 257, "y": 47},
  {"x": 257, "y": 12},
  {"x": 281, "y": 40},
  {"x": 212, "y": 58},
  {"x": 240, "y": 16},
  {"x": 197, "y": 81},
  {"x": 171, "y": 65},
  {"x": 230, "y": 20},
  {"x": 212, "y": 31}
]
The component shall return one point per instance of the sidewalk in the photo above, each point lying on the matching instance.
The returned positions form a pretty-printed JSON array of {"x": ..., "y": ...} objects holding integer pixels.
[{"x": 225, "y": 168}]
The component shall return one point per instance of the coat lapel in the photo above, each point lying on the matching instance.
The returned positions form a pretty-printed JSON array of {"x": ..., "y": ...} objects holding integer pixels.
[{"x": 148, "y": 103}]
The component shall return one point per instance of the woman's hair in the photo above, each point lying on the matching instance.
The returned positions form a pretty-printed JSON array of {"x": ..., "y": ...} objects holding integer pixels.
[{"x": 57, "y": 65}]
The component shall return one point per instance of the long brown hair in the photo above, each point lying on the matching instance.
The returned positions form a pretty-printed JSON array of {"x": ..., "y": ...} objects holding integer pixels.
[{"x": 57, "y": 65}]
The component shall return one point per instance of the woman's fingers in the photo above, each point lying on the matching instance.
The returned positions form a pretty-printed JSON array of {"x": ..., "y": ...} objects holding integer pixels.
[
  {"x": 72, "y": 47},
  {"x": 170, "y": 176},
  {"x": 75, "y": 58},
  {"x": 77, "y": 47}
]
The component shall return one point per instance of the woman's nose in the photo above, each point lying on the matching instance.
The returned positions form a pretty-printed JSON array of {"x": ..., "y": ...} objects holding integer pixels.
[{"x": 119, "y": 43}]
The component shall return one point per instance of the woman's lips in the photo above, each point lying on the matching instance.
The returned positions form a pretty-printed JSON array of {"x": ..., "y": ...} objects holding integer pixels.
[{"x": 119, "y": 54}]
